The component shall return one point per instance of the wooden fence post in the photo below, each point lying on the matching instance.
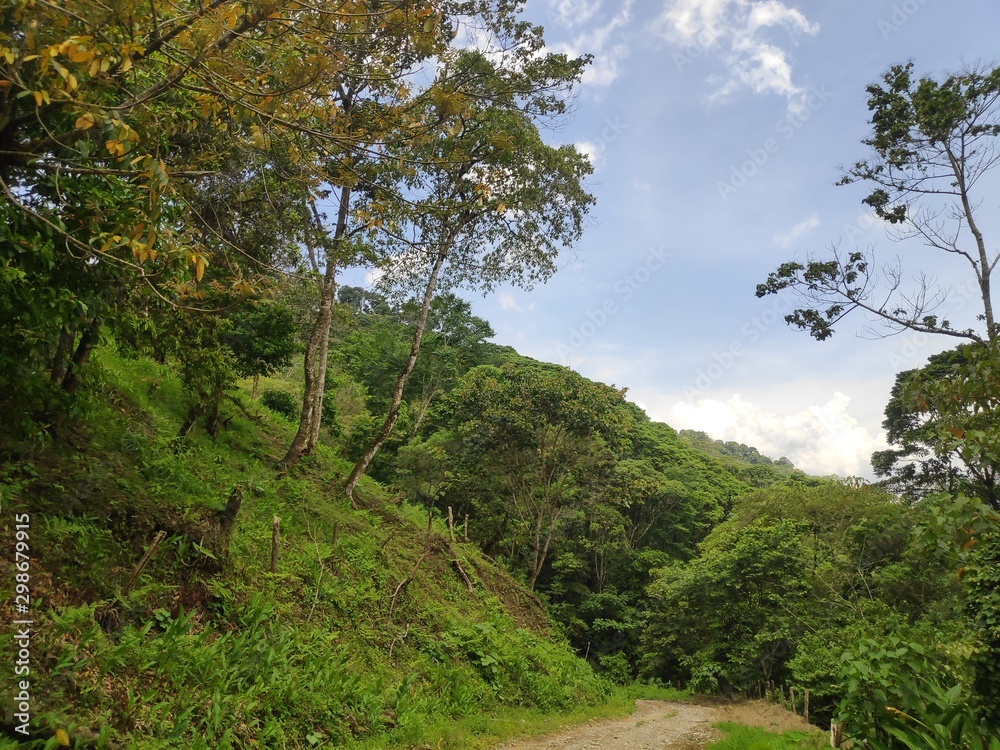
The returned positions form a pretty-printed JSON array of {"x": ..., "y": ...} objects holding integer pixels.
[
  {"x": 275, "y": 539},
  {"x": 805, "y": 712},
  {"x": 836, "y": 735},
  {"x": 451, "y": 525},
  {"x": 465, "y": 532},
  {"x": 791, "y": 697}
]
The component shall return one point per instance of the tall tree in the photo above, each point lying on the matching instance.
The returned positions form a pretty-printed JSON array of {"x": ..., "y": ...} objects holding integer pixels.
[
  {"x": 114, "y": 118},
  {"x": 496, "y": 203},
  {"x": 932, "y": 144}
]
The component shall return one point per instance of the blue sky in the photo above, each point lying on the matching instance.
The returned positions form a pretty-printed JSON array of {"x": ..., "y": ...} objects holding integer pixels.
[{"x": 717, "y": 129}]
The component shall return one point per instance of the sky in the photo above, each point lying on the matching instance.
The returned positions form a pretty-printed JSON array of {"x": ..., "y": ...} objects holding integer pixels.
[{"x": 717, "y": 129}]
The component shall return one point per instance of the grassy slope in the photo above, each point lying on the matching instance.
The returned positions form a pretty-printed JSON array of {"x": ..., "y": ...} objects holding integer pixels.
[{"x": 210, "y": 649}]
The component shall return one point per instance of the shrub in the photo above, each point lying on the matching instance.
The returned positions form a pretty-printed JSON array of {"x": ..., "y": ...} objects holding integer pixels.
[{"x": 281, "y": 402}]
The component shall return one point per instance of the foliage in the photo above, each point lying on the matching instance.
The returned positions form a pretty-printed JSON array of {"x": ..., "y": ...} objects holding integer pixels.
[
  {"x": 262, "y": 339},
  {"x": 722, "y": 618},
  {"x": 218, "y": 653},
  {"x": 931, "y": 144},
  {"x": 899, "y": 695},
  {"x": 282, "y": 402}
]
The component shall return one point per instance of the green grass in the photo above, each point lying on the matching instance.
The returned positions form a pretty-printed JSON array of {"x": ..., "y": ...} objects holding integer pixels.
[
  {"x": 210, "y": 649},
  {"x": 739, "y": 737}
]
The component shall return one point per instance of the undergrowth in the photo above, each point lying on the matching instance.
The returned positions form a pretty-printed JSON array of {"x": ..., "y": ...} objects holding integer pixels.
[
  {"x": 210, "y": 649},
  {"x": 740, "y": 737}
]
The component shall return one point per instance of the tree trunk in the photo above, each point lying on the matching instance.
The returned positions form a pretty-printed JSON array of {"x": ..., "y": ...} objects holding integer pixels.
[
  {"x": 397, "y": 395},
  {"x": 60, "y": 362},
  {"x": 317, "y": 348},
  {"x": 320, "y": 390},
  {"x": 87, "y": 343}
]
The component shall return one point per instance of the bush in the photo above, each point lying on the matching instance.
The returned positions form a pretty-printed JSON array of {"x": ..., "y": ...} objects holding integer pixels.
[
  {"x": 281, "y": 402},
  {"x": 899, "y": 696}
]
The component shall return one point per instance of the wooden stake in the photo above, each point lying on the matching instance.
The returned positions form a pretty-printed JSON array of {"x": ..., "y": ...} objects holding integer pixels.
[
  {"x": 275, "y": 540},
  {"x": 805, "y": 712},
  {"x": 791, "y": 695},
  {"x": 142, "y": 563},
  {"x": 465, "y": 533},
  {"x": 836, "y": 735},
  {"x": 451, "y": 525}
]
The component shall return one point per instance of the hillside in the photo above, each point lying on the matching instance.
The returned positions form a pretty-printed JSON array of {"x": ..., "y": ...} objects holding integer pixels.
[{"x": 376, "y": 630}]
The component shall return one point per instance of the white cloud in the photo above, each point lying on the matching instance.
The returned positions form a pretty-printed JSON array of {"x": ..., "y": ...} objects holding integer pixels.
[
  {"x": 507, "y": 302},
  {"x": 735, "y": 29},
  {"x": 573, "y": 12},
  {"x": 609, "y": 54},
  {"x": 784, "y": 239},
  {"x": 594, "y": 151},
  {"x": 640, "y": 185},
  {"x": 821, "y": 439}
]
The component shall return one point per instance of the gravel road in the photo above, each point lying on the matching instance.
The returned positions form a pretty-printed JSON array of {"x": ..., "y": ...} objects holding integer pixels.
[{"x": 664, "y": 725}]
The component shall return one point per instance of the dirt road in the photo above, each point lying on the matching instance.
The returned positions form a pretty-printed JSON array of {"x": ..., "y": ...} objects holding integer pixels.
[{"x": 663, "y": 725}]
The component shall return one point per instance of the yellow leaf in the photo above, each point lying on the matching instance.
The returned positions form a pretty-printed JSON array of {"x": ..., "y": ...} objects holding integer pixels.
[
  {"x": 62, "y": 737},
  {"x": 126, "y": 64},
  {"x": 81, "y": 54},
  {"x": 94, "y": 67},
  {"x": 199, "y": 268},
  {"x": 501, "y": 207},
  {"x": 38, "y": 98},
  {"x": 85, "y": 121},
  {"x": 71, "y": 83}
]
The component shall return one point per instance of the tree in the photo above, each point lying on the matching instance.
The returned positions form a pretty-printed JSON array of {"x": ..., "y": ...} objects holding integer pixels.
[
  {"x": 928, "y": 456},
  {"x": 722, "y": 620},
  {"x": 540, "y": 436},
  {"x": 262, "y": 340},
  {"x": 932, "y": 143},
  {"x": 496, "y": 203},
  {"x": 127, "y": 132}
]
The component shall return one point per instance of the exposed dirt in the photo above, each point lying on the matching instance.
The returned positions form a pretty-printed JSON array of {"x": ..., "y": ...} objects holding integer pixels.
[{"x": 664, "y": 725}]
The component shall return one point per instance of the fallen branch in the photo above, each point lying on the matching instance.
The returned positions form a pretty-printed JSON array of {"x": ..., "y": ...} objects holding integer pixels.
[
  {"x": 461, "y": 572},
  {"x": 142, "y": 563}
]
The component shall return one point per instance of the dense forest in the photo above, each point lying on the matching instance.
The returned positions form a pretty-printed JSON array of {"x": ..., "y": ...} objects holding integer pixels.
[{"x": 244, "y": 505}]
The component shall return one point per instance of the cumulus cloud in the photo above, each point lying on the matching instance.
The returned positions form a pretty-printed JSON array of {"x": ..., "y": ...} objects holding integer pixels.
[
  {"x": 821, "y": 439},
  {"x": 736, "y": 30},
  {"x": 594, "y": 151},
  {"x": 784, "y": 239}
]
